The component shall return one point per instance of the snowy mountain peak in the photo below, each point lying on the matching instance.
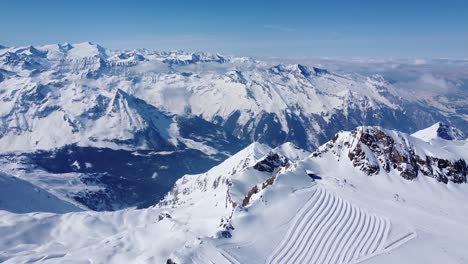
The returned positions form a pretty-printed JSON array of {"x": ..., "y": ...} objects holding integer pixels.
[
  {"x": 440, "y": 130},
  {"x": 33, "y": 51},
  {"x": 119, "y": 100},
  {"x": 298, "y": 69},
  {"x": 320, "y": 71},
  {"x": 245, "y": 158},
  {"x": 207, "y": 57},
  {"x": 182, "y": 58},
  {"x": 235, "y": 182},
  {"x": 66, "y": 46},
  {"x": 256, "y": 161},
  {"x": 132, "y": 120},
  {"x": 87, "y": 49},
  {"x": 374, "y": 150}
]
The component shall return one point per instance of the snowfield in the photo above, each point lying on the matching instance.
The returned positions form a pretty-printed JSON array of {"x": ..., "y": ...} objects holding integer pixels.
[{"x": 261, "y": 206}]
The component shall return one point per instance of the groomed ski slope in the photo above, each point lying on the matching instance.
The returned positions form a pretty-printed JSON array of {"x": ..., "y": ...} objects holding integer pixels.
[
  {"x": 329, "y": 229},
  {"x": 346, "y": 217}
]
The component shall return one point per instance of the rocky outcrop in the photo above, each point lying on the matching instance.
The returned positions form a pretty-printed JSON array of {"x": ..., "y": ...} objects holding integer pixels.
[
  {"x": 373, "y": 150},
  {"x": 170, "y": 261},
  {"x": 270, "y": 162}
]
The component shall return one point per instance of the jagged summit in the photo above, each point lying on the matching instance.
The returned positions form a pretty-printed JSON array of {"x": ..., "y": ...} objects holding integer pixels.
[
  {"x": 299, "y": 69},
  {"x": 245, "y": 158},
  {"x": 182, "y": 58},
  {"x": 440, "y": 130},
  {"x": 375, "y": 150}
]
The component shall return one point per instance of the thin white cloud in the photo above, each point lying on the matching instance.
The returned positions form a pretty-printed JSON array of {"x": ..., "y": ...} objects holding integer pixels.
[{"x": 431, "y": 83}]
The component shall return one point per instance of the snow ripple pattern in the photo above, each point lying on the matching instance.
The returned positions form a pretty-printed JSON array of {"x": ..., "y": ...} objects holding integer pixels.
[{"x": 329, "y": 230}]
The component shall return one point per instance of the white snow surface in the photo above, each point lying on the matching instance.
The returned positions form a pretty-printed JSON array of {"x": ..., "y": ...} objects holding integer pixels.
[
  {"x": 73, "y": 87},
  {"x": 451, "y": 150},
  {"x": 291, "y": 151},
  {"x": 346, "y": 217},
  {"x": 439, "y": 131},
  {"x": 20, "y": 196}
]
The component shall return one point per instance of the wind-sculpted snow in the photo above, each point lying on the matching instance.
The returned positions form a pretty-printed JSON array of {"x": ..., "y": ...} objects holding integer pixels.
[{"x": 330, "y": 230}]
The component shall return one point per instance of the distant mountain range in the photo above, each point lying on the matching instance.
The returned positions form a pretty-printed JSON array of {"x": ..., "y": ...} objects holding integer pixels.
[
  {"x": 110, "y": 129},
  {"x": 84, "y": 89}
]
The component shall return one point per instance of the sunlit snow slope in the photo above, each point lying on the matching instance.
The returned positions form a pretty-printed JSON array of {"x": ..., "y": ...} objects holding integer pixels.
[
  {"x": 20, "y": 196},
  {"x": 259, "y": 206}
]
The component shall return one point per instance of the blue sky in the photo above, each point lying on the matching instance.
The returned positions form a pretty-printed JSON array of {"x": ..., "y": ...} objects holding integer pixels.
[{"x": 378, "y": 28}]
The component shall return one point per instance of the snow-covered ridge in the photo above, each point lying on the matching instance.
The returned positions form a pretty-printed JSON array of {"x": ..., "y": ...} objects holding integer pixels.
[
  {"x": 234, "y": 183},
  {"x": 440, "y": 130},
  {"x": 61, "y": 54},
  {"x": 69, "y": 85},
  {"x": 375, "y": 150}
]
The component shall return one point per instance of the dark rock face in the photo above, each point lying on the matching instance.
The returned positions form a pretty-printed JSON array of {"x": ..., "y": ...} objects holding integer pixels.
[
  {"x": 449, "y": 133},
  {"x": 389, "y": 157},
  {"x": 226, "y": 234},
  {"x": 163, "y": 216},
  {"x": 270, "y": 163},
  {"x": 371, "y": 150},
  {"x": 170, "y": 261},
  {"x": 249, "y": 195}
]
